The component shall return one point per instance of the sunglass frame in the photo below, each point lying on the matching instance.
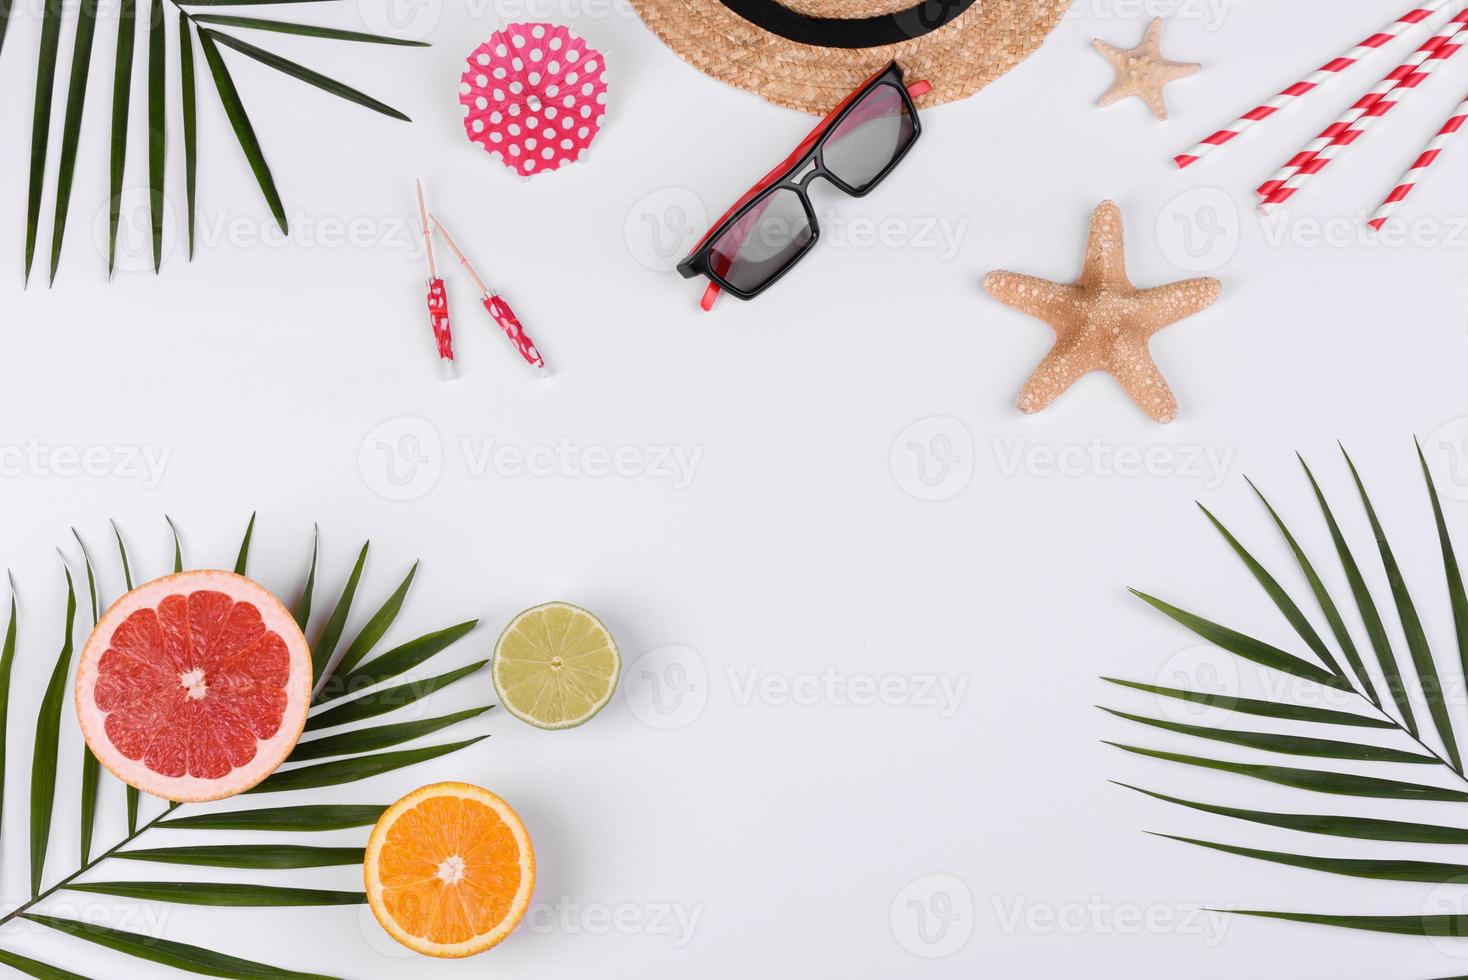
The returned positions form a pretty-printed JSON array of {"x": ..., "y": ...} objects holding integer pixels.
[{"x": 793, "y": 174}]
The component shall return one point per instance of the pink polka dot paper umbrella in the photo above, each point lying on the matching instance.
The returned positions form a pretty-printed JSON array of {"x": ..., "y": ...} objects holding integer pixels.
[{"x": 534, "y": 96}]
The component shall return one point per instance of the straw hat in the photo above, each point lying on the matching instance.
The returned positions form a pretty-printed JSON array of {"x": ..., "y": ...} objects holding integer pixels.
[{"x": 810, "y": 54}]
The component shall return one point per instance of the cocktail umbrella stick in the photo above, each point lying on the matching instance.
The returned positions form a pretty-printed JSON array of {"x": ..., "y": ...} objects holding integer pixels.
[
  {"x": 496, "y": 306},
  {"x": 438, "y": 299}
]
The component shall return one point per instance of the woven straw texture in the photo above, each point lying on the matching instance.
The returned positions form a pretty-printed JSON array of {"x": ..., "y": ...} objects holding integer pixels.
[{"x": 963, "y": 56}]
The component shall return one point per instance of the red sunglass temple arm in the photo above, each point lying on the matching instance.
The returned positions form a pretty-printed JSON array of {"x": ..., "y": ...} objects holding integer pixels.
[{"x": 711, "y": 292}]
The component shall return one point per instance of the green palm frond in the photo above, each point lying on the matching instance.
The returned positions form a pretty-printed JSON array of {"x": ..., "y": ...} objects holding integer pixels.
[
  {"x": 211, "y": 31},
  {"x": 1413, "y": 683},
  {"x": 341, "y": 758},
  {"x": 91, "y": 768}
]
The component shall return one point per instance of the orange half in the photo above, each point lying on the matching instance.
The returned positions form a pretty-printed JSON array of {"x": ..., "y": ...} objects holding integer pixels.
[{"x": 449, "y": 870}]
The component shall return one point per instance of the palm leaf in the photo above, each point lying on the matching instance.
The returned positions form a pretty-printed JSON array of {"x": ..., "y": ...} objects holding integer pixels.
[
  {"x": 189, "y": 97},
  {"x": 378, "y": 625},
  {"x": 220, "y": 894},
  {"x": 5, "y": 6},
  {"x": 1316, "y": 781},
  {"x": 315, "y": 818},
  {"x": 1447, "y": 926},
  {"x": 383, "y": 736},
  {"x": 1320, "y": 748},
  {"x": 1266, "y": 709},
  {"x": 391, "y": 699},
  {"x": 1410, "y": 867},
  {"x": 1352, "y": 867},
  {"x": 157, "y": 125},
  {"x": 1326, "y": 603},
  {"x": 272, "y": 857},
  {"x": 243, "y": 559},
  {"x": 1367, "y": 607},
  {"x": 35, "y": 968},
  {"x": 304, "y": 30},
  {"x": 1432, "y": 687},
  {"x": 1244, "y": 646},
  {"x": 1361, "y": 828},
  {"x": 363, "y": 759},
  {"x": 127, "y": 572},
  {"x": 362, "y": 767},
  {"x": 52, "y": 18},
  {"x": 303, "y": 606},
  {"x": 41, "y": 122},
  {"x": 91, "y": 577},
  {"x": 239, "y": 120},
  {"x": 133, "y": 797},
  {"x": 91, "y": 770},
  {"x": 177, "y": 547},
  {"x": 1281, "y": 599},
  {"x": 304, "y": 74},
  {"x": 7, "y": 661},
  {"x": 91, "y": 774},
  {"x": 325, "y": 646},
  {"x": 180, "y": 956},
  {"x": 48, "y": 735},
  {"x": 122, "y": 72},
  {"x": 394, "y": 662},
  {"x": 81, "y": 63},
  {"x": 1457, "y": 597}
]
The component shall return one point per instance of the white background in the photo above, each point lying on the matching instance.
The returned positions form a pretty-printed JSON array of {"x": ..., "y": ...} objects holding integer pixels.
[{"x": 289, "y": 376}]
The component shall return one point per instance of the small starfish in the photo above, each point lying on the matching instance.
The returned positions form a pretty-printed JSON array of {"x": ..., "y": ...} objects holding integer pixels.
[
  {"x": 1102, "y": 322},
  {"x": 1142, "y": 71}
]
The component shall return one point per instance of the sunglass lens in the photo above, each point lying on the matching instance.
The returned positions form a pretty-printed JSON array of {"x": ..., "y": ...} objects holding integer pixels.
[
  {"x": 763, "y": 242},
  {"x": 868, "y": 138}
]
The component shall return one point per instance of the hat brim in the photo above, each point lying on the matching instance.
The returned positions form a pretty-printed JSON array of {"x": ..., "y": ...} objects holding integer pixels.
[{"x": 958, "y": 59}]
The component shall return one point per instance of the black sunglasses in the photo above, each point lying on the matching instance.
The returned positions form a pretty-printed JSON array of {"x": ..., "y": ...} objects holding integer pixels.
[{"x": 771, "y": 227}]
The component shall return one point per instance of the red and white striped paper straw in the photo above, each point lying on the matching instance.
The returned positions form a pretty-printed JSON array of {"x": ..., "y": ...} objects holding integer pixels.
[
  {"x": 1344, "y": 131},
  {"x": 1429, "y": 156},
  {"x": 1345, "y": 140},
  {"x": 1323, "y": 74}
]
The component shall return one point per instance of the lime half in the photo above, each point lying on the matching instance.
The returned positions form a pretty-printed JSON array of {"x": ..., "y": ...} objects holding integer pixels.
[{"x": 555, "y": 665}]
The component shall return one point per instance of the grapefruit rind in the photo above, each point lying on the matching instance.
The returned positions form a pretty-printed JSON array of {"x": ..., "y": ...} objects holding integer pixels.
[
  {"x": 269, "y": 754},
  {"x": 372, "y": 871},
  {"x": 519, "y": 711}
]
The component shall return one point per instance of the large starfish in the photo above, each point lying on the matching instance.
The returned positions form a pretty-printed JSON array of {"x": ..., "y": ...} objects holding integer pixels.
[
  {"x": 1102, "y": 322},
  {"x": 1143, "y": 71}
]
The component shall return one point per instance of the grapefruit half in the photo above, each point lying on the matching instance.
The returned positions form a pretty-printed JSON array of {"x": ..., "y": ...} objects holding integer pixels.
[{"x": 194, "y": 686}]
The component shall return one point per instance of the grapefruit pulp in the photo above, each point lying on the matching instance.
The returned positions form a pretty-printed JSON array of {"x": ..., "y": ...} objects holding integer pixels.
[{"x": 194, "y": 686}]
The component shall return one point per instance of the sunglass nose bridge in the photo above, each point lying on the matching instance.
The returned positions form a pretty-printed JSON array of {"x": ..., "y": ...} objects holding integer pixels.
[{"x": 805, "y": 174}]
